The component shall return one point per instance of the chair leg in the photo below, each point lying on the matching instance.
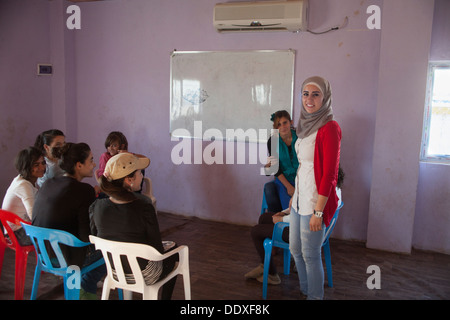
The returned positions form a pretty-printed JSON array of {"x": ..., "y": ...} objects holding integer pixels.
[
  {"x": 21, "y": 267},
  {"x": 72, "y": 283},
  {"x": 187, "y": 286},
  {"x": 127, "y": 295},
  {"x": 287, "y": 261},
  {"x": 107, "y": 289},
  {"x": 268, "y": 253},
  {"x": 327, "y": 254},
  {"x": 150, "y": 293},
  {"x": 71, "y": 294},
  {"x": 37, "y": 276}
]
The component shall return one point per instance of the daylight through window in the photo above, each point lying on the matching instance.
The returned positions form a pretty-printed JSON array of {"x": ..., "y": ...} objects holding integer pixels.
[{"x": 436, "y": 130}]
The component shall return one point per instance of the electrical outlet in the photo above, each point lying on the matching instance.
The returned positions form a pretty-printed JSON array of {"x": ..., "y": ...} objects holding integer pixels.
[{"x": 44, "y": 69}]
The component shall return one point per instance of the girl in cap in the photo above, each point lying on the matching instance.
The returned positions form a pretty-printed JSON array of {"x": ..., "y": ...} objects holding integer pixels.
[
  {"x": 128, "y": 216},
  {"x": 315, "y": 200}
]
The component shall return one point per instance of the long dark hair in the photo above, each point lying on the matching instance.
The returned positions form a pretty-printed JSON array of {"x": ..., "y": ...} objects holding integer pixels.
[
  {"x": 46, "y": 137},
  {"x": 70, "y": 154},
  {"x": 25, "y": 159},
  {"x": 115, "y": 188},
  {"x": 341, "y": 176}
]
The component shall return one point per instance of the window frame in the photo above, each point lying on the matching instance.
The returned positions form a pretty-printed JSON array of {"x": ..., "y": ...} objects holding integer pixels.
[{"x": 424, "y": 156}]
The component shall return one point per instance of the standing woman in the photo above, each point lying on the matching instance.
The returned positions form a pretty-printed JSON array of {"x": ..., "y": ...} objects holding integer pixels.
[
  {"x": 47, "y": 142},
  {"x": 315, "y": 200}
]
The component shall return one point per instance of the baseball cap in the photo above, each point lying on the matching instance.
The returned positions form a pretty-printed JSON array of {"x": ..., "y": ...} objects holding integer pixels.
[{"x": 122, "y": 164}]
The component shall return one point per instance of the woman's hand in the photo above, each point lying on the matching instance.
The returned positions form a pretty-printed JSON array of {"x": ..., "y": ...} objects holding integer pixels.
[
  {"x": 278, "y": 217},
  {"x": 290, "y": 190},
  {"x": 315, "y": 223}
]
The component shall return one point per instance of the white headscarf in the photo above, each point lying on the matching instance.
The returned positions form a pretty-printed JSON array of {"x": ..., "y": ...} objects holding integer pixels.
[{"x": 311, "y": 122}]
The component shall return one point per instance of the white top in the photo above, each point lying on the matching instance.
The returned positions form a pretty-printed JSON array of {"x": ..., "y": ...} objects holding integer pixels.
[
  {"x": 305, "y": 195},
  {"x": 287, "y": 217},
  {"x": 19, "y": 199}
]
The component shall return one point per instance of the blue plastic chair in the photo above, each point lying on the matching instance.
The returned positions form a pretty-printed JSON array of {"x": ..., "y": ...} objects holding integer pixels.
[
  {"x": 264, "y": 203},
  {"x": 326, "y": 245},
  {"x": 43, "y": 238},
  {"x": 277, "y": 241}
]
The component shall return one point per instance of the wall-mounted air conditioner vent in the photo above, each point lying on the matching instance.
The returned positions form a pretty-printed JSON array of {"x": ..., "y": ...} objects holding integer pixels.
[{"x": 261, "y": 16}]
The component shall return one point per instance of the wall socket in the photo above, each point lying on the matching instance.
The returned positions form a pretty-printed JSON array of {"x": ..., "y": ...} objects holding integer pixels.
[{"x": 44, "y": 69}]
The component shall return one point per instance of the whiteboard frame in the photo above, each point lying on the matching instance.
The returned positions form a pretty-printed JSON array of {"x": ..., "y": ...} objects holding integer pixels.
[{"x": 191, "y": 134}]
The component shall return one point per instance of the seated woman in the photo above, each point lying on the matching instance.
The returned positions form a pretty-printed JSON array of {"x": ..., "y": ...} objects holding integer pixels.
[
  {"x": 279, "y": 191},
  {"x": 48, "y": 141},
  {"x": 264, "y": 229},
  {"x": 63, "y": 203},
  {"x": 19, "y": 198},
  {"x": 128, "y": 216}
]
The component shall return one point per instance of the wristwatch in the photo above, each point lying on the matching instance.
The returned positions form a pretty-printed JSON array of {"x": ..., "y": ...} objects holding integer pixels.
[{"x": 318, "y": 214}]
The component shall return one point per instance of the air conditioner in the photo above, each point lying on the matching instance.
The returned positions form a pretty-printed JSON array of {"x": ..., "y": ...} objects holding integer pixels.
[{"x": 261, "y": 16}]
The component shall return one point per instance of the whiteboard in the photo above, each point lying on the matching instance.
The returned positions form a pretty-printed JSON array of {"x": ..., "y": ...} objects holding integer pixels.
[{"x": 216, "y": 91}]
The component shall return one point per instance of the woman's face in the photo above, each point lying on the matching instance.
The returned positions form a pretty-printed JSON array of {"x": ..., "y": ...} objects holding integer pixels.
[
  {"x": 312, "y": 98},
  {"x": 283, "y": 125},
  {"x": 38, "y": 168},
  {"x": 86, "y": 169},
  {"x": 57, "y": 142},
  {"x": 114, "y": 148}
]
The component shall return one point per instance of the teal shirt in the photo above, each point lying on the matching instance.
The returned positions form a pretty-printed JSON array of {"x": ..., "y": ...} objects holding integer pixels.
[{"x": 288, "y": 160}]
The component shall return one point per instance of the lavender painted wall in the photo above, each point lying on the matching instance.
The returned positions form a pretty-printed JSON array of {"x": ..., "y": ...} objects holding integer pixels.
[
  {"x": 25, "y": 98},
  {"x": 403, "y": 72},
  {"x": 122, "y": 62},
  {"x": 116, "y": 76}
]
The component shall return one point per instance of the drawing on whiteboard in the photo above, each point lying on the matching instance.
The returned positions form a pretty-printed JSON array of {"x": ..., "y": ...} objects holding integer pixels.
[
  {"x": 229, "y": 90},
  {"x": 196, "y": 97}
]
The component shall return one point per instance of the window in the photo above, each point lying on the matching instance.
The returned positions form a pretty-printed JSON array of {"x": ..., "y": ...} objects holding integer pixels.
[{"x": 436, "y": 126}]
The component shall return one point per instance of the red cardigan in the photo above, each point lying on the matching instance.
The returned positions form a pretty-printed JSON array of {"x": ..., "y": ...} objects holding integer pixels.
[{"x": 326, "y": 166}]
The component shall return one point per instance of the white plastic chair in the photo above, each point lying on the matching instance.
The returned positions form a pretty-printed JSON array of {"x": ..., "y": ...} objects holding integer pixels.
[{"x": 113, "y": 250}]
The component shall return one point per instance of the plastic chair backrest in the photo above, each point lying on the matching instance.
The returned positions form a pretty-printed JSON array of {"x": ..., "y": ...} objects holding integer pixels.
[
  {"x": 114, "y": 250},
  {"x": 44, "y": 238},
  {"x": 264, "y": 203},
  {"x": 5, "y": 217}
]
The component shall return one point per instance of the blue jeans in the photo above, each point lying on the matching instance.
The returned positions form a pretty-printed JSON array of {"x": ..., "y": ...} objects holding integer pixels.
[
  {"x": 306, "y": 246},
  {"x": 277, "y": 197}
]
